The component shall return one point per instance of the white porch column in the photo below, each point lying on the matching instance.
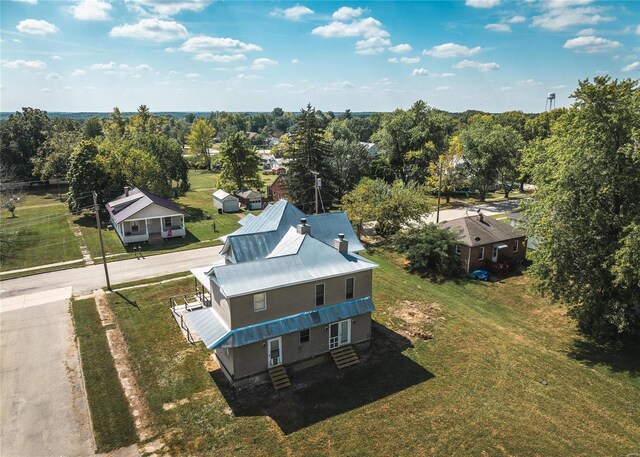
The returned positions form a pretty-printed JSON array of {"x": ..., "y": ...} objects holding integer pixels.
[{"x": 146, "y": 225}]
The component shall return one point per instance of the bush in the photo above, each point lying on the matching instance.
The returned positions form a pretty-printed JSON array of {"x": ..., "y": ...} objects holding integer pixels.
[{"x": 429, "y": 250}]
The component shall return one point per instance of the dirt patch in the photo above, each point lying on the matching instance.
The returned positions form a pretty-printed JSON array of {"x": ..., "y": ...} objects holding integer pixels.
[{"x": 416, "y": 314}]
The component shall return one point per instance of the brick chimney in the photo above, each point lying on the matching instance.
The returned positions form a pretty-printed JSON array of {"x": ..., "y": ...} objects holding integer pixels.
[
  {"x": 303, "y": 228},
  {"x": 340, "y": 243},
  {"x": 126, "y": 191}
]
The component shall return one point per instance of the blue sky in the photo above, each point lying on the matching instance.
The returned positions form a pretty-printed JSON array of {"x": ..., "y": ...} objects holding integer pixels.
[{"x": 204, "y": 55}]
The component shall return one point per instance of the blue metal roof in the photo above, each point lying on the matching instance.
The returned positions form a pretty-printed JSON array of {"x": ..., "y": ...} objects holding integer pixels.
[{"x": 214, "y": 338}]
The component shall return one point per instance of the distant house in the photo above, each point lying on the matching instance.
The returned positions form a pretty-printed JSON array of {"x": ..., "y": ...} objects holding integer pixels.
[
  {"x": 225, "y": 202},
  {"x": 371, "y": 148},
  {"x": 484, "y": 243},
  {"x": 278, "y": 189},
  {"x": 291, "y": 292},
  {"x": 250, "y": 199},
  {"x": 515, "y": 220},
  {"x": 272, "y": 141},
  {"x": 141, "y": 216}
]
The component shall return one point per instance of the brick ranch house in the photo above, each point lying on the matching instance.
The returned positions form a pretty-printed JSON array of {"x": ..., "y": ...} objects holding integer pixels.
[{"x": 485, "y": 243}]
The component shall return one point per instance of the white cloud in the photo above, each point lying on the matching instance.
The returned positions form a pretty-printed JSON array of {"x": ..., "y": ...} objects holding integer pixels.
[
  {"x": 630, "y": 57},
  {"x": 295, "y": 61},
  {"x": 498, "y": 27},
  {"x": 407, "y": 60},
  {"x": 262, "y": 63},
  {"x": 586, "y": 32},
  {"x": 144, "y": 67},
  {"x": 91, "y": 10},
  {"x": 17, "y": 40},
  {"x": 46, "y": 90},
  {"x": 151, "y": 29},
  {"x": 30, "y": 2},
  {"x": 192, "y": 75},
  {"x": 249, "y": 77},
  {"x": 451, "y": 50},
  {"x": 632, "y": 66},
  {"x": 78, "y": 72},
  {"x": 25, "y": 64},
  {"x": 284, "y": 86},
  {"x": 489, "y": 66},
  {"x": 443, "y": 88},
  {"x": 53, "y": 76},
  {"x": 482, "y": 3},
  {"x": 367, "y": 28},
  {"x": 591, "y": 44},
  {"x": 401, "y": 48},
  {"x": 562, "y": 14},
  {"x": 219, "y": 58},
  {"x": 638, "y": 30},
  {"x": 36, "y": 27},
  {"x": 506, "y": 88},
  {"x": 425, "y": 72},
  {"x": 295, "y": 13},
  {"x": 55, "y": 58},
  {"x": 201, "y": 44},
  {"x": 515, "y": 20},
  {"x": 345, "y": 13},
  {"x": 529, "y": 82},
  {"x": 167, "y": 8},
  {"x": 110, "y": 66},
  {"x": 338, "y": 86},
  {"x": 372, "y": 45}
]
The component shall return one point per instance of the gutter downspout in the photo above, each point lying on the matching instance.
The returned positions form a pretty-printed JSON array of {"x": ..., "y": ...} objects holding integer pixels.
[{"x": 469, "y": 260}]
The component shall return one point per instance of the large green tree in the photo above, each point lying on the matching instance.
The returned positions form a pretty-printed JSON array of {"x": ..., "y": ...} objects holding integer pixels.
[
  {"x": 21, "y": 137},
  {"x": 349, "y": 161},
  {"x": 308, "y": 152},
  {"x": 52, "y": 158},
  {"x": 585, "y": 214},
  {"x": 200, "y": 140},
  {"x": 239, "y": 164}
]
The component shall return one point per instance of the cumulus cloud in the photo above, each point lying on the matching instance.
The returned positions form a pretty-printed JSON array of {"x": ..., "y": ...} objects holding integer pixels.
[
  {"x": 482, "y": 3},
  {"x": 407, "y": 60},
  {"x": 91, "y": 10},
  {"x": 515, "y": 20},
  {"x": 170, "y": 8},
  {"x": 489, "y": 66},
  {"x": 401, "y": 48},
  {"x": 151, "y": 29},
  {"x": 219, "y": 58},
  {"x": 36, "y": 27},
  {"x": 295, "y": 13},
  {"x": 192, "y": 75},
  {"x": 451, "y": 50},
  {"x": 591, "y": 44},
  {"x": 498, "y": 27},
  {"x": 586, "y": 32},
  {"x": 104, "y": 66},
  {"x": 262, "y": 63},
  {"x": 345, "y": 13},
  {"x": 55, "y": 58},
  {"x": 560, "y": 15},
  {"x": 78, "y": 73},
  {"x": 53, "y": 76},
  {"x": 295, "y": 61},
  {"x": 443, "y": 88},
  {"x": 30, "y": 2},
  {"x": 632, "y": 67},
  {"x": 366, "y": 28},
  {"x": 529, "y": 82},
  {"x": 201, "y": 44},
  {"x": 425, "y": 72},
  {"x": 25, "y": 64}
]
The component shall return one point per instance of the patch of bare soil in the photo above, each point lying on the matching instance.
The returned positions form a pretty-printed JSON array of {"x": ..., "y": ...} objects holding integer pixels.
[{"x": 416, "y": 314}]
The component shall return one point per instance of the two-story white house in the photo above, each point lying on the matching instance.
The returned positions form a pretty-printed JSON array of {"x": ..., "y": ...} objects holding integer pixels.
[{"x": 292, "y": 292}]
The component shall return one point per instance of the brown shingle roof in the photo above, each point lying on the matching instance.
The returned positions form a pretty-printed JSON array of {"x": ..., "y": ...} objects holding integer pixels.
[{"x": 473, "y": 232}]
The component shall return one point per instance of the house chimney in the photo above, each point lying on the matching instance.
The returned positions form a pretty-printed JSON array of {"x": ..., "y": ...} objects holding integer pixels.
[
  {"x": 340, "y": 243},
  {"x": 126, "y": 191},
  {"x": 303, "y": 228},
  {"x": 480, "y": 216}
]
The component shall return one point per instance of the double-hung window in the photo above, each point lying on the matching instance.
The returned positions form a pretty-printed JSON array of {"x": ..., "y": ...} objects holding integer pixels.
[
  {"x": 515, "y": 245},
  {"x": 167, "y": 222},
  {"x": 260, "y": 302},
  {"x": 319, "y": 294},
  {"x": 458, "y": 249},
  {"x": 349, "y": 288},
  {"x": 304, "y": 336},
  {"x": 481, "y": 255}
]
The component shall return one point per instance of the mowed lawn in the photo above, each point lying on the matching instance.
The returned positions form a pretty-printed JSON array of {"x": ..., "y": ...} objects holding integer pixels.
[
  {"x": 504, "y": 373},
  {"x": 38, "y": 235}
]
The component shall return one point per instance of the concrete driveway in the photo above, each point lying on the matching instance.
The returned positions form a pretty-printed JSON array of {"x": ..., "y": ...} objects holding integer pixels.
[
  {"x": 488, "y": 209},
  {"x": 43, "y": 408}
]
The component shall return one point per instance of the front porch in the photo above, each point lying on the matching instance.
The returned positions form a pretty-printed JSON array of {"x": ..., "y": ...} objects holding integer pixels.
[
  {"x": 145, "y": 230},
  {"x": 181, "y": 305}
]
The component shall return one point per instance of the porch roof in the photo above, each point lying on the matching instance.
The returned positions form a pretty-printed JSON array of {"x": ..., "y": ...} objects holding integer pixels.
[{"x": 208, "y": 325}]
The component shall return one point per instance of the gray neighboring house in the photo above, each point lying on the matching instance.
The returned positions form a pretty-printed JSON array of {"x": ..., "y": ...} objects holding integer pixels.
[
  {"x": 141, "y": 216},
  {"x": 225, "y": 202},
  {"x": 251, "y": 199},
  {"x": 291, "y": 292}
]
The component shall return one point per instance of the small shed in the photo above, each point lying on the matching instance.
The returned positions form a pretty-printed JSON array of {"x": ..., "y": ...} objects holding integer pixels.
[
  {"x": 225, "y": 202},
  {"x": 250, "y": 199}
]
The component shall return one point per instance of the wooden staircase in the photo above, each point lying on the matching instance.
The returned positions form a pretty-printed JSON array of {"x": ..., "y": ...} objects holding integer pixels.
[
  {"x": 279, "y": 377},
  {"x": 344, "y": 357}
]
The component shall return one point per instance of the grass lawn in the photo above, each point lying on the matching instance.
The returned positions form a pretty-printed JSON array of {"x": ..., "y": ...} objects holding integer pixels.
[
  {"x": 39, "y": 235},
  {"x": 505, "y": 373},
  {"x": 112, "y": 423}
]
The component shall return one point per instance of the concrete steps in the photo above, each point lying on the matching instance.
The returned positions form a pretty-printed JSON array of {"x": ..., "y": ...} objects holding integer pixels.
[
  {"x": 155, "y": 238},
  {"x": 279, "y": 378},
  {"x": 344, "y": 357}
]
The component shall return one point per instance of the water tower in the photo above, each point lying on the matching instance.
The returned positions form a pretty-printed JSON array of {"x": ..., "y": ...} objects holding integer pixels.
[{"x": 551, "y": 101}]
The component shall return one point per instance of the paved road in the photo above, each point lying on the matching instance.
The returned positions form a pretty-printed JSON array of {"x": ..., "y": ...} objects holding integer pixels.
[
  {"x": 85, "y": 280},
  {"x": 43, "y": 405},
  {"x": 488, "y": 209}
]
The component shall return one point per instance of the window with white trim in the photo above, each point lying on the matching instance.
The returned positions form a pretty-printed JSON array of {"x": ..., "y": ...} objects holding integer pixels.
[
  {"x": 167, "y": 222},
  {"x": 319, "y": 294},
  {"x": 260, "y": 301},
  {"x": 515, "y": 245},
  {"x": 481, "y": 256},
  {"x": 458, "y": 249},
  {"x": 350, "y": 287}
]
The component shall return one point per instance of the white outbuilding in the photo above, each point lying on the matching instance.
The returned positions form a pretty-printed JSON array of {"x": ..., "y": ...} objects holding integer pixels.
[{"x": 225, "y": 201}]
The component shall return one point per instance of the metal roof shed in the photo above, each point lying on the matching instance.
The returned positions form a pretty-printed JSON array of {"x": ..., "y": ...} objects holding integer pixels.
[{"x": 225, "y": 201}]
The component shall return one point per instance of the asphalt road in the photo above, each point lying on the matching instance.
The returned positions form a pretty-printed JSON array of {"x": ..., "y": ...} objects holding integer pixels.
[
  {"x": 85, "y": 280},
  {"x": 43, "y": 407},
  {"x": 488, "y": 209}
]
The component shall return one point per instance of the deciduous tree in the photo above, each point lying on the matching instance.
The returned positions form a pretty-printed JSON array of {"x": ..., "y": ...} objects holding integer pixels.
[
  {"x": 239, "y": 164},
  {"x": 200, "y": 140}
]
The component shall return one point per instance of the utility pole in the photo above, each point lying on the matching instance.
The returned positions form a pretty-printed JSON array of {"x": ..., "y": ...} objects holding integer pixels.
[
  {"x": 315, "y": 187},
  {"x": 104, "y": 259},
  {"x": 439, "y": 190}
]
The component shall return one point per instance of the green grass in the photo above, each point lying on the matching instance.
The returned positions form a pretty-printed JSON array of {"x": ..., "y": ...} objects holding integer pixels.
[
  {"x": 87, "y": 224},
  {"x": 505, "y": 372},
  {"x": 150, "y": 280},
  {"x": 39, "y": 236},
  {"x": 112, "y": 423}
]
